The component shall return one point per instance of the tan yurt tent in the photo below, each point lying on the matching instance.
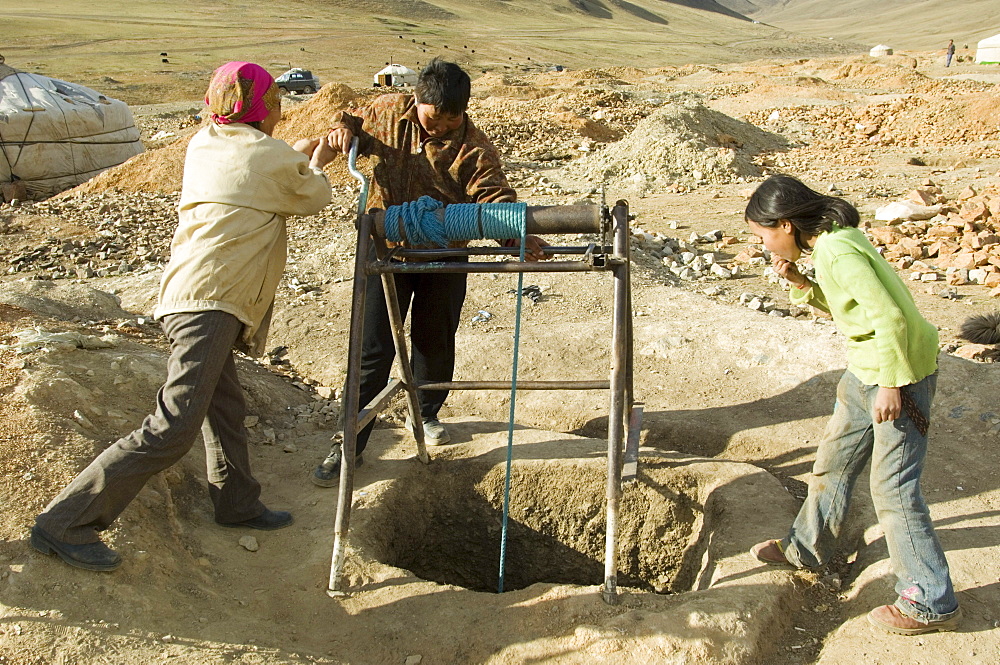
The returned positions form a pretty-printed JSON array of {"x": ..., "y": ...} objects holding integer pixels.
[
  {"x": 881, "y": 49},
  {"x": 55, "y": 135},
  {"x": 988, "y": 51},
  {"x": 395, "y": 75}
]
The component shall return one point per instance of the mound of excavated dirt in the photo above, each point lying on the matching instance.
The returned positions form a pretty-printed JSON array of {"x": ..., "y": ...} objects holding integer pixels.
[
  {"x": 683, "y": 142},
  {"x": 494, "y": 84},
  {"x": 312, "y": 118},
  {"x": 160, "y": 170},
  {"x": 874, "y": 75},
  {"x": 915, "y": 121}
]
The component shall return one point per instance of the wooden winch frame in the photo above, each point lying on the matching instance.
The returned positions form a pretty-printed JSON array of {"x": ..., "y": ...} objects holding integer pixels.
[{"x": 625, "y": 416}]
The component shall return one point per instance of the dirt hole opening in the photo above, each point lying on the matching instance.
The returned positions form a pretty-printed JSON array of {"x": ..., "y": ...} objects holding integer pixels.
[{"x": 443, "y": 523}]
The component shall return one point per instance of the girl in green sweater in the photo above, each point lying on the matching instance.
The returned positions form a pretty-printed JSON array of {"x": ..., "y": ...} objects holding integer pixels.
[{"x": 883, "y": 401}]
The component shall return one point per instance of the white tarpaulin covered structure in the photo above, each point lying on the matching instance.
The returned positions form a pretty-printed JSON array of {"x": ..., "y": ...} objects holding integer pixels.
[
  {"x": 988, "y": 51},
  {"x": 396, "y": 75},
  {"x": 879, "y": 50},
  {"x": 55, "y": 135}
]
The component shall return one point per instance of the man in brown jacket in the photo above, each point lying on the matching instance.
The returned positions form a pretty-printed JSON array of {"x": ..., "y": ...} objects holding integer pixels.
[{"x": 422, "y": 145}]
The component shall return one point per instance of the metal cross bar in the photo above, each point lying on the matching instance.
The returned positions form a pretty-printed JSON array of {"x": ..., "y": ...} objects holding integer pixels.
[
  {"x": 521, "y": 385},
  {"x": 448, "y": 252},
  {"x": 479, "y": 267}
]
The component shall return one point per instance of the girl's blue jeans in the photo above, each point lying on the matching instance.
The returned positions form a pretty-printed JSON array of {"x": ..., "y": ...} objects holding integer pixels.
[{"x": 896, "y": 450}]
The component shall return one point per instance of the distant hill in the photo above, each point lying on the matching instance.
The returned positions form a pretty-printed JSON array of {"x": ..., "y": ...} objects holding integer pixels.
[
  {"x": 721, "y": 7},
  {"x": 904, "y": 24},
  {"x": 750, "y": 7}
]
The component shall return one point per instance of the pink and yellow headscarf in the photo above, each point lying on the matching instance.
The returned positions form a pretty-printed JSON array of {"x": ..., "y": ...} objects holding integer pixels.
[{"x": 241, "y": 92}]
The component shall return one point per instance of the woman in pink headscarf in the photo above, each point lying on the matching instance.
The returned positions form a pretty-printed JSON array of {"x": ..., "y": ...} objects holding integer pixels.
[{"x": 216, "y": 294}]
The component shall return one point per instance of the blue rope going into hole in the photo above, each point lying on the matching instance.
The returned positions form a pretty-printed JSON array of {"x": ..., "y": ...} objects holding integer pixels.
[
  {"x": 422, "y": 225},
  {"x": 510, "y": 418}
]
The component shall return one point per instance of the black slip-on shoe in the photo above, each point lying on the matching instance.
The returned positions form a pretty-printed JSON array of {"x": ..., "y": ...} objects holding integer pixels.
[
  {"x": 269, "y": 520},
  {"x": 90, "y": 556}
]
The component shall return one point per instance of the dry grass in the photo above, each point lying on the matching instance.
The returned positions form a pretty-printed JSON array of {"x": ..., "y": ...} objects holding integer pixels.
[{"x": 118, "y": 51}]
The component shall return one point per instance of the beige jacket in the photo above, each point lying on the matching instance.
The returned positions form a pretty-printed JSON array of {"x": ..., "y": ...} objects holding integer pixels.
[{"x": 229, "y": 250}]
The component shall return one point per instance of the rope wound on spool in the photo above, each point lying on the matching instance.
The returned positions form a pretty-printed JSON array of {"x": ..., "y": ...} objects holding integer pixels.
[{"x": 427, "y": 221}]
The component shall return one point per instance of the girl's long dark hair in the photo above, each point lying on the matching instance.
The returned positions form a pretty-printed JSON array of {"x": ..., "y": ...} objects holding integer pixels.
[{"x": 811, "y": 213}]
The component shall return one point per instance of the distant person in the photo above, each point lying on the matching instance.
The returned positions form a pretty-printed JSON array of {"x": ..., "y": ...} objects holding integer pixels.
[
  {"x": 217, "y": 291},
  {"x": 424, "y": 144},
  {"x": 883, "y": 401},
  {"x": 949, "y": 53}
]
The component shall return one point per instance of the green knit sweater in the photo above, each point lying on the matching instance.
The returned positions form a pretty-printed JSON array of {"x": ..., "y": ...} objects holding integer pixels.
[{"x": 889, "y": 343}]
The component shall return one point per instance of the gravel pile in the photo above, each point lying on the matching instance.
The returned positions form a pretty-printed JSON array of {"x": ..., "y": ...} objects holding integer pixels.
[
  {"x": 131, "y": 231},
  {"x": 683, "y": 142}
]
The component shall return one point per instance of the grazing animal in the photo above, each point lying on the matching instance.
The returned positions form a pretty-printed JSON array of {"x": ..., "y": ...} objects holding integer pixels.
[{"x": 982, "y": 329}]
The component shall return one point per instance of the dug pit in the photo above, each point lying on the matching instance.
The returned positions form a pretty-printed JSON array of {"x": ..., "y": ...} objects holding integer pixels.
[{"x": 445, "y": 525}]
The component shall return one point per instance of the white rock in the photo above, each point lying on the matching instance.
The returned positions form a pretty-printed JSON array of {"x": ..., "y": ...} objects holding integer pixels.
[
  {"x": 249, "y": 543},
  {"x": 251, "y": 421},
  {"x": 721, "y": 272},
  {"x": 905, "y": 211},
  {"x": 83, "y": 420},
  {"x": 977, "y": 275}
]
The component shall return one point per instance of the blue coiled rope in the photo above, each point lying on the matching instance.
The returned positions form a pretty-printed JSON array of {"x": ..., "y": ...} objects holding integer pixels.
[{"x": 422, "y": 226}]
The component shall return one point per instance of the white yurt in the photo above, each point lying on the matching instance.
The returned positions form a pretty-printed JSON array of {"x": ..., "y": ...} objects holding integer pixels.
[
  {"x": 55, "y": 135},
  {"x": 395, "y": 75},
  {"x": 881, "y": 49},
  {"x": 988, "y": 51}
]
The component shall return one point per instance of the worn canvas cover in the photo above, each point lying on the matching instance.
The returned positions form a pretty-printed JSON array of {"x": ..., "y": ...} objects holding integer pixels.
[{"x": 55, "y": 135}]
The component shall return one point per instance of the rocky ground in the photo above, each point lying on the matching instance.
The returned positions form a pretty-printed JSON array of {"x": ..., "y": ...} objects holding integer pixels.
[{"x": 737, "y": 386}]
